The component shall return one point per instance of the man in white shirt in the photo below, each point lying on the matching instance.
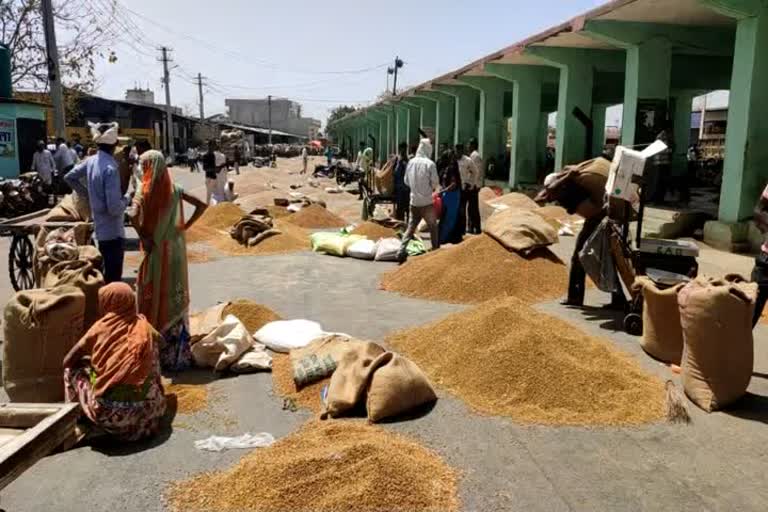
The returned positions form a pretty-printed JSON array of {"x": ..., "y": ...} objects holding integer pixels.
[
  {"x": 473, "y": 206},
  {"x": 43, "y": 163},
  {"x": 304, "y": 159},
  {"x": 65, "y": 160},
  {"x": 421, "y": 177},
  {"x": 468, "y": 173}
]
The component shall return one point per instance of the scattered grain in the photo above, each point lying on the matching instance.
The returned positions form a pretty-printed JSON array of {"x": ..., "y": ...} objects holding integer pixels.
[
  {"x": 253, "y": 315},
  {"x": 477, "y": 270},
  {"x": 339, "y": 466},
  {"x": 316, "y": 217},
  {"x": 374, "y": 231},
  {"x": 190, "y": 398},
  {"x": 505, "y": 358},
  {"x": 283, "y": 384}
]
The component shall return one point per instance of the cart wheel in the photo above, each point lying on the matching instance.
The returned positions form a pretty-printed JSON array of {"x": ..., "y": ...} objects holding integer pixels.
[
  {"x": 20, "y": 266},
  {"x": 633, "y": 324}
]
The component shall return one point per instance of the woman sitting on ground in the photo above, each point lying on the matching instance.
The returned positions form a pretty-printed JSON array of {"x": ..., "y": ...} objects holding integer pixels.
[
  {"x": 113, "y": 371},
  {"x": 163, "y": 283},
  {"x": 450, "y": 192}
]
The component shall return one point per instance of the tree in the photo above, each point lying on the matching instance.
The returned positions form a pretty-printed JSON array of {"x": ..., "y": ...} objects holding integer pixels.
[
  {"x": 80, "y": 37},
  {"x": 339, "y": 112}
]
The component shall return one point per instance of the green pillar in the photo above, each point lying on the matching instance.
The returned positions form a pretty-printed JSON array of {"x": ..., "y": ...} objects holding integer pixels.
[
  {"x": 401, "y": 129},
  {"x": 414, "y": 123},
  {"x": 543, "y": 139},
  {"x": 598, "y": 128},
  {"x": 745, "y": 170},
  {"x": 648, "y": 77},
  {"x": 492, "y": 127},
  {"x": 445, "y": 116},
  {"x": 574, "y": 91},
  {"x": 428, "y": 111},
  {"x": 466, "y": 111},
  {"x": 682, "y": 105}
]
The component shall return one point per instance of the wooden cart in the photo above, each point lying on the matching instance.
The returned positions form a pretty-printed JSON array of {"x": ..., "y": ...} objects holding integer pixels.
[
  {"x": 29, "y": 432},
  {"x": 22, "y": 230}
]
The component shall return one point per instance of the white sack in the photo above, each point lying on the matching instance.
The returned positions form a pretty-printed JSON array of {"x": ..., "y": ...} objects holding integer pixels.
[
  {"x": 387, "y": 249},
  {"x": 362, "y": 250},
  {"x": 253, "y": 360},
  {"x": 286, "y": 335}
]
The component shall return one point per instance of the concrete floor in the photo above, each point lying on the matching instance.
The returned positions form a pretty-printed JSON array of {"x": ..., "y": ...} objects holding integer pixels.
[{"x": 716, "y": 463}]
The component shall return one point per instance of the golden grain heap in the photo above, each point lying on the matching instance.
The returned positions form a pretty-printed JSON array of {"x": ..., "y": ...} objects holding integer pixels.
[
  {"x": 316, "y": 217},
  {"x": 252, "y": 314},
  {"x": 477, "y": 270},
  {"x": 190, "y": 398},
  {"x": 505, "y": 358},
  {"x": 339, "y": 466},
  {"x": 374, "y": 231}
]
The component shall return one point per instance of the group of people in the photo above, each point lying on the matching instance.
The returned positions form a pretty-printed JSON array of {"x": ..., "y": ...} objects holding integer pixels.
[
  {"x": 114, "y": 370},
  {"x": 57, "y": 159},
  {"x": 451, "y": 185}
]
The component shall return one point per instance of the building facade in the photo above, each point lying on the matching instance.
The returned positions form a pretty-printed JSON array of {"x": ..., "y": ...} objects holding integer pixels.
[{"x": 285, "y": 115}]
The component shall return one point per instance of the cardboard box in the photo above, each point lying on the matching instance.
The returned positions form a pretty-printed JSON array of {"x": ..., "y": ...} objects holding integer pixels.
[{"x": 626, "y": 164}]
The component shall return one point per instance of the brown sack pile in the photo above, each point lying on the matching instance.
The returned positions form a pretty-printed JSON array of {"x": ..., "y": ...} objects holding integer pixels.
[
  {"x": 393, "y": 384},
  {"x": 320, "y": 358},
  {"x": 716, "y": 318},
  {"x": 82, "y": 275},
  {"x": 520, "y": 230},
  {"x": 77, "y": 236},
  {"x": 662, "y": 332},
  {"x": 71, "y": 208},
  {"x": 40, "y": 327},
  {"x": 254, "y": 228}
]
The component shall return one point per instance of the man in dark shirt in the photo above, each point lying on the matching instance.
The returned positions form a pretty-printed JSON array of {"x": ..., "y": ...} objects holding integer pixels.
[
  {"x": 402, "y": 192},
  {"x": 210, "y": 169}
]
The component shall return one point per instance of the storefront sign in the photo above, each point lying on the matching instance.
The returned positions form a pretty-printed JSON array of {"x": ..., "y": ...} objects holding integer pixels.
[{"x": 7, "y": 137}]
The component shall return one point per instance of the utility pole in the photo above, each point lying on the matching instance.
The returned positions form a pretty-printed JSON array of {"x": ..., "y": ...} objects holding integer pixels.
[
  {"x": 200, "y": 91},
  {"x": 269, "y": 118},
  {"x": 54, "y": 77},
  {"x": 169, "y": 149},
  {"x": 397, "y": 66}
]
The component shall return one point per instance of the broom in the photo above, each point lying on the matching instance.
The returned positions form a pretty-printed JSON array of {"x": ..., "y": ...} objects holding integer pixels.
[{"x": 677, "y": 410}]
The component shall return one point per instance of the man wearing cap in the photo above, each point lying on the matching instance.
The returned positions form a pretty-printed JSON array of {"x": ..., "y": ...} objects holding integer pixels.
[{"x": 108, "y": 203}]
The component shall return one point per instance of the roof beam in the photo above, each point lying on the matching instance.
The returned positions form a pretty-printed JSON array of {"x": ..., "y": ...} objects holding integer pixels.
[
  {"x": 738, "y": 9},
  {"x": 609, "y": 61},
  {"x": 682, "y": 39}
]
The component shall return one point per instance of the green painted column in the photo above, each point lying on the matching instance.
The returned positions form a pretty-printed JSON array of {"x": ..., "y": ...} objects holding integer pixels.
[
  {"x": 745, "y": 170},
  {"x": 445, "y": 116},
  {"x": 414, "y": 123},
  {"x": 682, "y": 105},
  {"x": 574, "y": 91},
  {"x": 428, "y": 111},
  {"x": 401, "y": 128},
  {"x": 466, "y": 111},
  {"x": 544, "y": 138},
  {"x": 492, "y": 127},
  {"x": 598, "y": 128}
]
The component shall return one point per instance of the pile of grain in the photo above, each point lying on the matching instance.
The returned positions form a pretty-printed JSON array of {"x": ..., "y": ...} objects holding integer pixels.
[
  {"x": 190, "y": 398},
  {"x": 291, "y": 239},
  {"x": 341, "y": 466},
  {"x": 216, "y": 219},
  {"x": 374, "y": 231},
  {"x": 505, "y": 358},
  {"x": 253, "y": 315},
  {"x": 283, "y": 385},
  {"x": 477, "y": 270},
  {"x": 316, "y": 217}
]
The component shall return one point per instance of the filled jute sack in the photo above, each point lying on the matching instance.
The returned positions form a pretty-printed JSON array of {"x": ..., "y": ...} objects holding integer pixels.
[
  {"x": 203, "y": 323},
  {"x": 79, "y": 235},
  {"x": 397, "y": 386},
  {"x": 82, "y": 275},
  {"x": 320, "y": 358},
  {"x": 70, "y": 209},
  {"x": 385, "y": 178},
  {"x": 520, "y": 230},
  {"x": 350, "y": 380},
  {"x": 718, "y": 355},
  {"x": 40, "y": 327},
  {"x": 662, "y": 332}
]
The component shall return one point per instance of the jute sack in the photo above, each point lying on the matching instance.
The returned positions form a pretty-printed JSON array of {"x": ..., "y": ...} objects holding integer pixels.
[
  {"x": 90, "y": 254},
  {"x": 79, "y": 234},
  {"x": 40, "y": 328},
  {"x": 320, "y": 358},
  {"x": 520, "y": 230},
  {"x": 203, "y": 323},
  {"x": 385, "y": 178},
  {"x": 397, "y": 386},
  {"x": 69, "y": 210},
  {"x": 350, "y": 380},
  {"x": 81, "y": 274},
  {"x": 716, "y": 318},
  {"x": 662, "y": 332}
]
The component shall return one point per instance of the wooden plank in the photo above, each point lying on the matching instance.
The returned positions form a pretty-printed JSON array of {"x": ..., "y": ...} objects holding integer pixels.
[
  {"x": 22, "y": 219},
  {"x": 20, "y": 454}
]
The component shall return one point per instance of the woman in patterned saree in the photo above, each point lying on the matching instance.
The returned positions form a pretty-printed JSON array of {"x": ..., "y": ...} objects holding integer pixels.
[
  {"x": 113, "y": 371},
  {"x": 163, "y": 284}
]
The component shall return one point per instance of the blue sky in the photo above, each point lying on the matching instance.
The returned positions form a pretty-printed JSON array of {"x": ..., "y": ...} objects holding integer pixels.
[{"x": 307, "y": 50}]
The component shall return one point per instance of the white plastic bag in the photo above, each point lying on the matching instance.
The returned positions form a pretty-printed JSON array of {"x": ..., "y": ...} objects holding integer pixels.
[
  {"x": 253, "y": 360},
  {"x": 387, "y": 249},
  {"x": 246, "y": 441},
  {"x": 285, "y": 335},
  {"x": 362, "y": 250},
  {"x": 223, "y": 346}
]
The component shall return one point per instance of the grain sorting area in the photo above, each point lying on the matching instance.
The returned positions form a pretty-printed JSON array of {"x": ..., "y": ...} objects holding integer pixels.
[
  {"x": 340, "y": 466},
  {"x": 477, "y": 270},
  {"x": 505, "y": 358}
]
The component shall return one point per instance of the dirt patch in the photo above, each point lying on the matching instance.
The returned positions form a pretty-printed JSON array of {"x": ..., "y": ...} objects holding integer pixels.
[
  {"x": 316, "y": 217},
  {"x": 374, "y": 231},
  {"x": 283, "y": 385},
  {"x": 505, "y": 358},
  {"x": 339, "y": 466},
  {"x": 477, "y": 270},
  {"x": 252, "y": 314}
]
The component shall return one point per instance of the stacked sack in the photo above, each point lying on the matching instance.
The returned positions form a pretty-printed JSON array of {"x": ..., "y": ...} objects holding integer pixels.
[{"x": 359, "y": 247}]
